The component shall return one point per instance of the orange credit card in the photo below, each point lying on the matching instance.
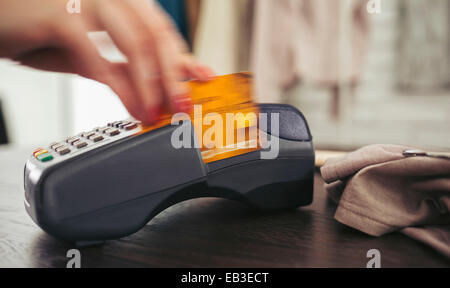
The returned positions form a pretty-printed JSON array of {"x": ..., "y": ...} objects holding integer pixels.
[{"x": 224, "y": 117}]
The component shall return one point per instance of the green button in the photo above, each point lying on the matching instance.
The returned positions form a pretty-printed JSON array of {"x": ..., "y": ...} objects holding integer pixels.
[{"x": 45, "y": 157}]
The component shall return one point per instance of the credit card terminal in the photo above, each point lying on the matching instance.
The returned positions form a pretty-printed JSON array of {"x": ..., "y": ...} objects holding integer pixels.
[{"x": 107, "y": 183}]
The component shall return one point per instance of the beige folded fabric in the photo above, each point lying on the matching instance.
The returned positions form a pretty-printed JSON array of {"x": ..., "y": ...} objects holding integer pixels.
[{"x": 378, "y": 191}]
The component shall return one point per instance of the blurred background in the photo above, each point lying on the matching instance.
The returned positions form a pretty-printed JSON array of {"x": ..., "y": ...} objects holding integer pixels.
[{"x": 361, "y": 71}]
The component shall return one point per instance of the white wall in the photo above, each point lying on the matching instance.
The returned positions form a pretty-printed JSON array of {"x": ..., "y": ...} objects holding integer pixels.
[
  {"x": 34, "y": 104},
  {"x": 93, "y": 105}
]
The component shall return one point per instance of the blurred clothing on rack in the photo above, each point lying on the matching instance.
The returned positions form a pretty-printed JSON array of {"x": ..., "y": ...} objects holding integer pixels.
[
  {"x": 192, "y": 14},
  {"x": 283, "y": 41},
  {"x": 185, "y": 14},
  {"x": 310, "y": 40},
  {"x": 177, "y": 10},
  {"x": 223, "y": 36}
]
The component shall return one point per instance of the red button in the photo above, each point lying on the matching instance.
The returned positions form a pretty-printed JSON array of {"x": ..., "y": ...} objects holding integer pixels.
[{"x": 37, "y": 151}]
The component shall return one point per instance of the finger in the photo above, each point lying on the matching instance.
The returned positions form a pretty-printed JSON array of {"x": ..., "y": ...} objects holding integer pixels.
[
  {"x": 86, "y": 61},
  {"x": 126, "y": 92},
  {"x": 81, "y": 53},
  {"x": 170, "y": 63},
  {"x": 133, "y": 39},
  {"x": 175, "y": 63},
  {"x": 193, "y": 69},
  {"x": 168, "y": 49},
  {"x": 49, "y": 59}
]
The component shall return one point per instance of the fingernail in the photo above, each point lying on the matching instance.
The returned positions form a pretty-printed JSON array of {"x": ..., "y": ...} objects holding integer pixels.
[
  {"x": 183, "y": 103},
  {"x": 153, "y": 115},
  {"x": 207, "y": 72}
]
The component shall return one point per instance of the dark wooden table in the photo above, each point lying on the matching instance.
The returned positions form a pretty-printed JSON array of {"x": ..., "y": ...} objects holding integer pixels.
[{"x": 206, "y": 233}]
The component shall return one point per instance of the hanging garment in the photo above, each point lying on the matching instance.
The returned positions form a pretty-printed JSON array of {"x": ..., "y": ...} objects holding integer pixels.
[
  {"x": 223, "y": 35},
  {"x": 295, "y": 39},
  {"x": 177, "y": 10},
  {"x": 379, "y": 191},
  {"x": 192, "y": 15}
]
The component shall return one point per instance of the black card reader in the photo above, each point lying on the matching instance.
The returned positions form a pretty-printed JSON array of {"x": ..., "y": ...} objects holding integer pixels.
[{"x": 109, "y": 182}]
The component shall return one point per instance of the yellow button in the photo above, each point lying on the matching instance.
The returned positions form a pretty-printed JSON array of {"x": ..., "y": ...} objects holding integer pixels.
[{"x": 37, "y": 153}]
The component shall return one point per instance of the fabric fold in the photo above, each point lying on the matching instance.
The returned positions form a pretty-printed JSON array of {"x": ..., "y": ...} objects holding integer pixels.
[{"x": 379, "y": 191}]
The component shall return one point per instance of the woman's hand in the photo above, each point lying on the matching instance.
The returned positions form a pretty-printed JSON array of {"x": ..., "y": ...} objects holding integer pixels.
[{"x": 44, "y": 35}]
